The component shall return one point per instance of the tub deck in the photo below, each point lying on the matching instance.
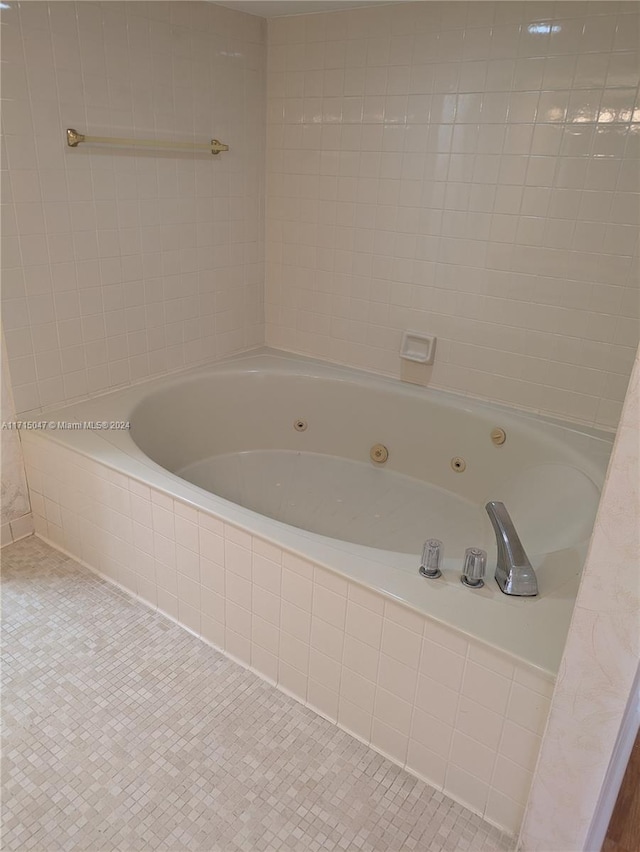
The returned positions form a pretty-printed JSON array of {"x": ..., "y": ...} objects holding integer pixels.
[{"x": 532, "y": 630}]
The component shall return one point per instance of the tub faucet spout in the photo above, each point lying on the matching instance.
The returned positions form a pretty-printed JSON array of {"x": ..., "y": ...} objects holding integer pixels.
[{"x": 514, "y": 573}]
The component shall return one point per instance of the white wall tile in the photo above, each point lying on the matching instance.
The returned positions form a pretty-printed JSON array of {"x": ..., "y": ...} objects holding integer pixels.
[
  {"x": 503, "y": 810},
  {"x": 360, "y": 657},
  {"x": 397, "y": 678},
  {"x": 401, "y": 644},
  {"x": 404, "y": 617},
  {"x": 436, "y": 699},
  {"x": 431, "y": 733},
  {"x": 478, "y": 722},
  {"x": 442, "y": 665},
  {"x": 186, "y": 534},
  {"x": 323, "y": 699},
  {"x": 467, "y": 788},
  {"x": 211, "y": 524},
  {"x": 327, "y": 638},
  {"x": 476, "y": 758},
  {"x": 393, "y": 711},
  {"x": 167, "y": 602},
  {"x": 238, "y": 537},
  {"x": 264, "y": 634},
  {"x": 212, "y": 631},
  {"x": 511, "y": 779},
  {"x": 366, "y": 598},
  {"x": 264, "y": 663},
  {"x": 211, "y": 546},
  {"x": 178, "y": 236},
  {"x": 488, "y": 150},
  {"x": 212, "y": 605},
  {"x": 528, "y": 709},
  {"x": 329, "y": 606},
  {"x": 187, "y": 513},
  {"x": 363, "y": 624},
  {"x": 266, "y": 605},
  {"x": 163, "y": 522},
  {"x": 167, "y": 579},
  {"x": 297, "y": 565},
  {"x": 324, "y": 670},
  {"x": 354, "y": 719},
  {"x": 266, "y": 573},
  {"x": 188, "y": 563},
  {"x": 164, "y": 550},
  {"x": 426, "y": 764},
  {"x": 294, "y": 652},
  {"x": 237, "y": 559},
  {"x": 188, "y": 592},
  {"x": 296, "y": 589},
  {"x": 266, "y": 550},
  {"x": 238, "y": 646},
  {"x": 389, "y": 740},
  {"x": 519, "y": 745},
  {"x": 292, "y": 680},
  {"x": 238, "y": 590},
  {"x": 489, "y": 689},
  {"x": 295, "y": 621},
  {"x": 211, "y": 575},
  {"x": 444, "y": 636},
  {"x": 491, "y": 659},
  {"x": 332, "y": 582},
  {"x": 237, "y": 620}
]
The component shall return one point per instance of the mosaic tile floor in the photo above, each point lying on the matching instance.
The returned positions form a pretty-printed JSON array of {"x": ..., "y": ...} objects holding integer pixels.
[{"x": 124, "y": 732}]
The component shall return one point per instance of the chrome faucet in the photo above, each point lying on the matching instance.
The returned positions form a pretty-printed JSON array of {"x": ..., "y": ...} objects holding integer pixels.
[{"x": 514, "y": 573}]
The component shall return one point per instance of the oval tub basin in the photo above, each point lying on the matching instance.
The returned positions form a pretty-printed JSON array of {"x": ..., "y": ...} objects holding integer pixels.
[{"x": 223, "y": 438}]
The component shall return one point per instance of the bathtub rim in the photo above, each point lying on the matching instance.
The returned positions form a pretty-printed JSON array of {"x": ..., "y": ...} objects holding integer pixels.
[
  {"x": 342, "y": 558},
  {"x": 456, "y": 398}
]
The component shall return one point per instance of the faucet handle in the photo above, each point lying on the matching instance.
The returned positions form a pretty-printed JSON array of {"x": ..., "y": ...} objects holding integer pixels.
[
  {"x": 475, "y": 563},
  {"x": 431, "y": 557}
]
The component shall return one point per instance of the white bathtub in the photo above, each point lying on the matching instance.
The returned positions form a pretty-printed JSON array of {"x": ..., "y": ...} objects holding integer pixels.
[
  {"x": 118, "y": 499},
  {"x": 199, "y": 425}
]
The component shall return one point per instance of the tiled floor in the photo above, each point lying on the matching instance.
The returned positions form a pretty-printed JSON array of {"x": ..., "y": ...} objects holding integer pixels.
[{"x": 124, "y": 732}]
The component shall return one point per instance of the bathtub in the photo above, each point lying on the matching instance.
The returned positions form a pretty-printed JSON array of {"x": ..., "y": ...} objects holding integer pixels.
[{"x": 242, "y": 500}]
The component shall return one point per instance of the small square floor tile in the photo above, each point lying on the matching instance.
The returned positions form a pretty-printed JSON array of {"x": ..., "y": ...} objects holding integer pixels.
[{"x": 124, "y": 733}]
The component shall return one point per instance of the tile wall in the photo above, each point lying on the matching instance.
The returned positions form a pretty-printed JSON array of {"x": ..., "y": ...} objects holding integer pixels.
[
  {"x": 16, "y": 520},
  {"x": 600, "y": 662},
  {"x": 466, "y": 718},
  {"x": 118, "y": 265},
  {"x": 467, "y": 170}
]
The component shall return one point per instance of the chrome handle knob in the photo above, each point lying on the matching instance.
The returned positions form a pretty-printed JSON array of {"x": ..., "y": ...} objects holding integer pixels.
[
  {"x": 431, "y": 557},
  {"x": 475, "y": 564}
]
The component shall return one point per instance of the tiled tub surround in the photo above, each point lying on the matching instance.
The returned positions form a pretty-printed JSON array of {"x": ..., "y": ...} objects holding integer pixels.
[
  {"x": 454, "y": 710},
  {"x": 200, "y": 435},
  {"x": 458, "y": 714},
  {"x": 467, "y": 170},
  {"x": 118, "y": 264}
]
